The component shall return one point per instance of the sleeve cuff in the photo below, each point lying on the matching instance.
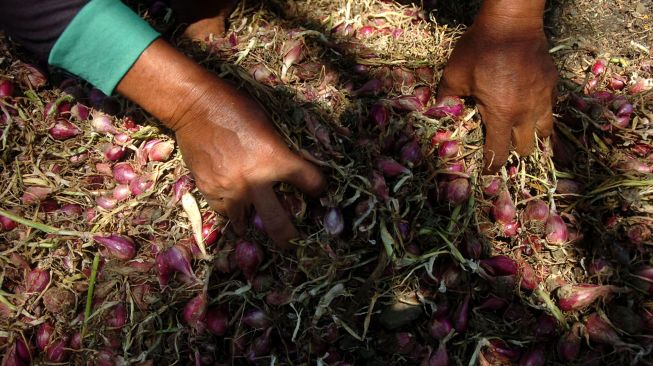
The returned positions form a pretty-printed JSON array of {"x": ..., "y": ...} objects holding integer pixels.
[{"x": 101, "y": 43}]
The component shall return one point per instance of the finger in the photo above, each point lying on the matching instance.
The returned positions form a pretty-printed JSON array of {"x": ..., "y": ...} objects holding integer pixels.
[
  {"x": 523, "y": 135},
  {"x": 275, "y": 219},
  {"x": 217, "y": 205},
  {"x": 544, "y": 124},
  {"x": 235, "y": 210},
  {"x": 453, "y": 83},
  {"x": 306, "y": 176},
  {"x": 497, "y": 140}
]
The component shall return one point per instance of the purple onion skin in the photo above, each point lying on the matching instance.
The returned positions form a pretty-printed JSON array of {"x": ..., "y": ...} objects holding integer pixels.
[
  {"x": 458, "y": 191},
  {"x": 534, "y": 356},
  {"x": 556, "y": 230},
  {"x": 257, "y": 319},
  {"x": 599, "y": 331},
  {"x": 569, "y": 344},
  {"x": 195, "y": 311},
  {"x": 439, "y": 327},
  {"x": 499, "y": 265},
  {"x": 503, "y": 209},
  {"x": 536, "y": 211},
  {"x": 37, "y": 280},
  {"x": 217, "y": 321},
  {"x": 333, "y": 222},
  {"x": 118, "y": 246},
  {"x": 577, "y": 297},
  {"x": 249, "y": 257},
  {"x": 439, "y": 357},
  {"x": 43, "y": 335},
  {"x": 461, "y": 320}
]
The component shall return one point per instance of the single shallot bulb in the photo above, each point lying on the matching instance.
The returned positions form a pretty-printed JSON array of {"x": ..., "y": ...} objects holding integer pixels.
[
  {"x": 113, "y": 152},
  {"x": 7, "y": 224},
  {"x": 556, "y": 230},
  {"x": 600, "y": 331},
  {"x": 536, "y": 211},
  {"x": 257, "y": 319},
  {"x": 183, "y": 185},
  {"x": 44, "y": 333},
  {"x": 176, "y": 258},
  {"x": 292, "y": 53},
  {"x": 106, "y": 202},
  {"x": 118, "y": 246},
  {"x": 249, "y": 257},
  {"x": 439, "y": 327},
  {"x": 79, "y": 112},
  {"x": 391, "y": 168},
  {"x": 123, "y": 173},
  {"x": 458, "y": 191},
  {"x": 599, "y": 67},
  {"x": 333, "y": 221},
  {"x": 195, "y": 311},
  {"x": 160, "y": 151},
  {"x": 6, "y": 89},
  {"x": 503, "y": 209},
  {"x": 380, "y": 115},
  {"x": 63, "y": 130},
  {"x": 448, "y": 149},
  {"x": 217, "y": 321},
  {"x": 447, "y": 106},
  {"x": 499, "y": 265},
  {"x": 101, "y": 123},
  {"x": 569, "y": 344},
  {"x": 576, "y": 297},
  {"x": 37, "y": 280}
]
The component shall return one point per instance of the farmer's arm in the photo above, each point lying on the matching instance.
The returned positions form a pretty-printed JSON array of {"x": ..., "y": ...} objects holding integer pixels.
[
  {"x": 503, "y": 62},
  {"x": 225, "y": 138}
]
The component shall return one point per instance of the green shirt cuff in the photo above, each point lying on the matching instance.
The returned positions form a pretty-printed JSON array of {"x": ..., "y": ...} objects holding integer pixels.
[{"x": 101, "y": 43}]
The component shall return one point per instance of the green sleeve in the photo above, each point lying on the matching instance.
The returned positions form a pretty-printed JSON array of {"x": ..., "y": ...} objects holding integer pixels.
[{"x": 101, "y": 43}]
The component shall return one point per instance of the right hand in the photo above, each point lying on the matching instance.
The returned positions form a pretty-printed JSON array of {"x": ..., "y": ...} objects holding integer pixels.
[
  {"x": 506, "y": 67},
  {"x": 236, "y": 157}
]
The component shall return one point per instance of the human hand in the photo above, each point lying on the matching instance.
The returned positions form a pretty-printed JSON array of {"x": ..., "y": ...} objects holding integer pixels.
[
  {"x": 236, "y": 157},
  {"x": 506, "y": 67},
  {"x": 225, "y": 138}
]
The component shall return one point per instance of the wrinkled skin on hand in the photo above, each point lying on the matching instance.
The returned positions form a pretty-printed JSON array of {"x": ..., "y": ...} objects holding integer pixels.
[
  {"x": 226, "y": 139},
  {"x": 512, "y": 78},
  {"x": 236, "y": 157}
]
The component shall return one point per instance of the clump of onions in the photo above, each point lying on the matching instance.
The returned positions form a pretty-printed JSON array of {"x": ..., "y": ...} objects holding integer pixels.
[
  {"x": 576, "y": 297},
  {"x": 195, "y": 311},
  {"x": 447, "y": 106},
  {"x": 249, "y": 257},
  {"x": 503, "y": 209},
  {"x": 37, "y": 280},
  {"x": 555, "y": 229},
  {"x": 63, "y": 130},
  {"x": 119, "y": 246}
]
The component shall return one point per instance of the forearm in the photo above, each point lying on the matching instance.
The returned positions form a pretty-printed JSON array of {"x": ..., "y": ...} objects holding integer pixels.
[{"x": 511, "y": 17}]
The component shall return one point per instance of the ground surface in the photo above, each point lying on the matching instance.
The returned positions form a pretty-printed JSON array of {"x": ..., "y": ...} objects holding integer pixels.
[{"x": 415, "y": 277}]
